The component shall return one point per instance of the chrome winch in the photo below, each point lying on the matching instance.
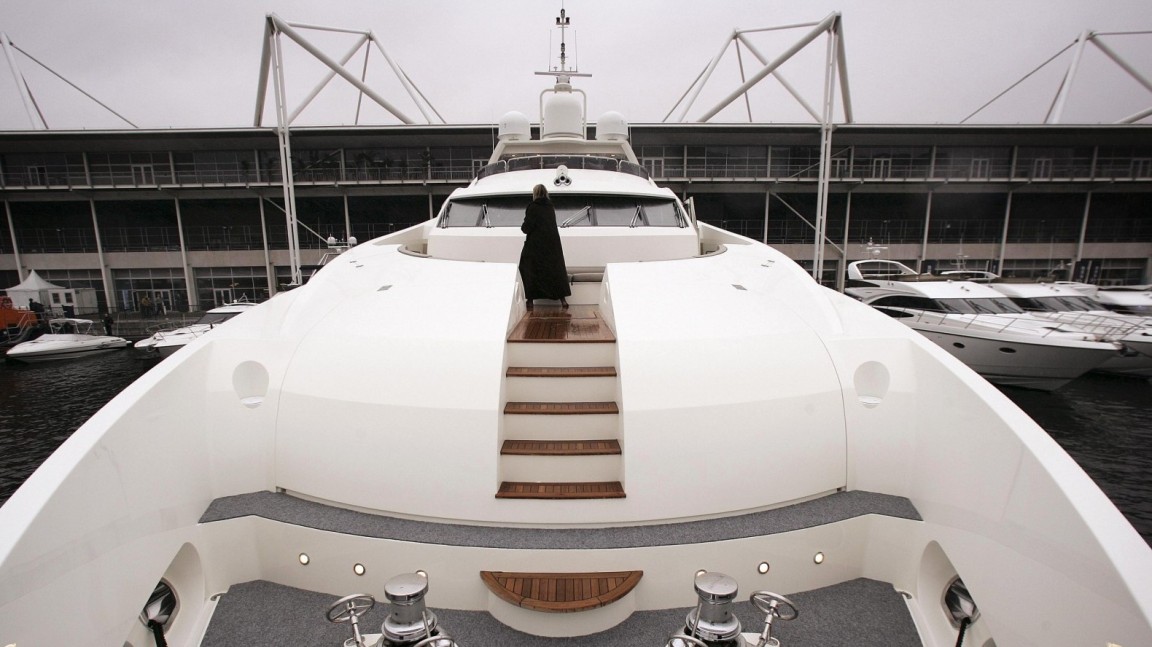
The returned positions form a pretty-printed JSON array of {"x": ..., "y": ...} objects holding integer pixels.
[
  {"x": 409, "y": 622},
  {"x": 713, "y": 622}
]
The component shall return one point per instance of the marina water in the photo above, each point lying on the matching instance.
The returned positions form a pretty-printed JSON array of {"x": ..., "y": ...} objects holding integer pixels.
[{"x": 1103, "y": 422}]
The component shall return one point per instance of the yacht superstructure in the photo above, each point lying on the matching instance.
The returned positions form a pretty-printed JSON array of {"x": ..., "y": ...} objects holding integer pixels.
[{"x": 705, "y": 424}]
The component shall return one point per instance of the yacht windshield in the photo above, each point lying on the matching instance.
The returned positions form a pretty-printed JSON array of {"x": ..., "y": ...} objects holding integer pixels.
[
  {"x": 216, "y": 317},
  {"x": 988, "y": 306},
  {"x": 1057, "y": 304},
  {"x": 571, "y": 211}
]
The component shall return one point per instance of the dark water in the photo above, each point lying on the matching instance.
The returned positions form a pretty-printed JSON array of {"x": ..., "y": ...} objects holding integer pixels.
[{"x": 1105, "y": 423}]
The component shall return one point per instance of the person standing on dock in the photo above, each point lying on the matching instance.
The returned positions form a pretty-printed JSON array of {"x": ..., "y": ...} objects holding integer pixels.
[
  {"x": 542, "y": 266},
  {"x": 108, "y": 322}
]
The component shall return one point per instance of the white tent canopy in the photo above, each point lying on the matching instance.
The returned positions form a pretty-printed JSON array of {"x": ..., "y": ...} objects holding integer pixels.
[{"x": 53, "y": 297}]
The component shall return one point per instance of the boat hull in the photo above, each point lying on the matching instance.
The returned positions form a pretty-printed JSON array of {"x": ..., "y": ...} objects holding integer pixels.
[
  {"x": 48, "y": 350},
  {"x": 1043, "y": 367}
]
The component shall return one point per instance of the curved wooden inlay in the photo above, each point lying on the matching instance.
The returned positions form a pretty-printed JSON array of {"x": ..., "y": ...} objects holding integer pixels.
[{"x": 561, "y": 592}]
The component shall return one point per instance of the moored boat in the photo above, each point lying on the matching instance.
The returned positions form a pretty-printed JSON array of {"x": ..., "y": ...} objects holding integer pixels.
[
  {"x": 1060, "y": 302},
  {"x": 69, "y": 338},
  {"x": 165, "y": 342},
  {"x": 980, "y": 326}
]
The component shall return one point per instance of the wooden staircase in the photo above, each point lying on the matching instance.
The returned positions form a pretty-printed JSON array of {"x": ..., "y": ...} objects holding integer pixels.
[{"x": 561, "y": 422}]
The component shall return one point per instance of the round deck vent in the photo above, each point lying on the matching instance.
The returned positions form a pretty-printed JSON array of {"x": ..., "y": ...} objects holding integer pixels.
[
  {"x": 250, "y": 382},
  {"x": 871, "y": 381}
]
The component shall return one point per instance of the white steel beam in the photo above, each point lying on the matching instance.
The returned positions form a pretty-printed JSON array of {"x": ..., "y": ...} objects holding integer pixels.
[
  {"x": 282, "y": 27},
  {"x": 1123, "y": 64},
  {"x": 265, "y": 64},
  {"x": 705, "y": 76},
  {"x": 820, "y": 28},
  {"x": 1056, "y": 111},
  {"x": 21, "y": 84},
  {"x": 776, "y": 73},
  {"x": 327, "y": 79}
]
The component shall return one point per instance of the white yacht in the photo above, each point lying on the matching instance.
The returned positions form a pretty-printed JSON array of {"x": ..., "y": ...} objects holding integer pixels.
[
  {"x": 980, "y": 326},
  {"x": 165, "y": 342},
  {"x": 1060, "y": 302},
  {"x": 1125, "y": 299},
  {"x": 706, "y": 448},
  {"x": 68, "y": 338}
]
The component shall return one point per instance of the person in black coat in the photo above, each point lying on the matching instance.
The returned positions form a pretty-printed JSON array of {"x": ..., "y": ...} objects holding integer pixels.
[{"x": 542, "y": 265}]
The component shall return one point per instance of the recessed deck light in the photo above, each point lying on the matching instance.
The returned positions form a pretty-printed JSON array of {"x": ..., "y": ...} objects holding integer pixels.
[
  {"x": 763, "y": 568},
  {"x": 304, "y": 559},
  {"x": 700, "y": 572},
  {"x": 422, "y": 574},
  {"x": 358, "y": 569},
  {"x": 818, "y": 558}
]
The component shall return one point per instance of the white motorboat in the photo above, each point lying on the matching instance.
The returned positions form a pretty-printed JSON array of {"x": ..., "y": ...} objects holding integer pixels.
[
  {"x": 1060, "y": 302},
  {"x": 703, "y": 425},
  {"x": 165, "y": 342},
  {"x": 980, "y": 326},
  {"x": 68, "y": 338},
  {"x": 1125, "y": 299}
]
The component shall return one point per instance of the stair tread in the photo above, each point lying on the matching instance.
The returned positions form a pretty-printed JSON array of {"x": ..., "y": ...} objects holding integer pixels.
[
  {"x": 571, "y": 490},
  {"x": 561, "y": 371},
  {"x": 576, "y": 324},
  {"x": 561, "y": 592},
  {"x": 561, "y": 408},
  {"x": 560, "y": 447}
]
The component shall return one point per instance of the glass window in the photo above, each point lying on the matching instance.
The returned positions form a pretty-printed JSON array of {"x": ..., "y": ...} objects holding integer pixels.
[
  {"x": 571, "y": 211},
  {"x": 498, "y": 211}
]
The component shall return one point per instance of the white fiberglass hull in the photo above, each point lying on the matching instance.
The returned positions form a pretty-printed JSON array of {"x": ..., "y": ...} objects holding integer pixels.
[
  {"x": 1027, "y": 364},
  {"x": 55, "y": 347},
  {"x": 121, "y": 505}
]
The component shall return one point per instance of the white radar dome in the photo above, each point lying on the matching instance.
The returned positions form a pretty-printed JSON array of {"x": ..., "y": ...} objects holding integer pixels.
[
  {"x": 515, "y": 127},
  {"x": 612, "y": 127},
  {"x": 563, "y": 116}
]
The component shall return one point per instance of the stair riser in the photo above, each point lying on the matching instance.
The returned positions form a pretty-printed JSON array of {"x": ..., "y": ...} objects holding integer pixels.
[
  {"x": 561, "y": 354},
  {"x": 561, "y": 389},
  {"x": 553, "y": 469},
  {"x": 594, "y": 426},
  {"x": 585, "y": 294}
]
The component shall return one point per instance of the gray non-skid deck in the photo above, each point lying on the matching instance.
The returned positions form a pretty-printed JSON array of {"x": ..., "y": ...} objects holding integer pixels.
[
  {"x": 857, "y": 613},
  {"x": 829, "y": 509}
]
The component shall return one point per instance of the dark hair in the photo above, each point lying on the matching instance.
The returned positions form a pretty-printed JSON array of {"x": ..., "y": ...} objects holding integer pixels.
[{"x": 539, "y": 191}]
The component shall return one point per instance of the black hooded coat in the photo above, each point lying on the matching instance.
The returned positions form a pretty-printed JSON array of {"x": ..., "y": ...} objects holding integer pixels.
[{"x": 542, "y": 260}]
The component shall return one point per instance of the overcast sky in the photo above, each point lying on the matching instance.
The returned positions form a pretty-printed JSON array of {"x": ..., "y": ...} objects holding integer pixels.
[{"x": 163, "y": 63}]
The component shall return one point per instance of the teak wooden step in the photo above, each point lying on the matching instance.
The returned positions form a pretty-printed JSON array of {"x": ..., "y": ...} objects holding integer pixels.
[
  {"x": 561, "y": 371},
  {"x": 560, "y": 447},
  {"x": 560, "y": 408},
  {"x": 561, "y": 592},
  {"x": 577, "y": 324},
  {"x": 588, "y": 490}
]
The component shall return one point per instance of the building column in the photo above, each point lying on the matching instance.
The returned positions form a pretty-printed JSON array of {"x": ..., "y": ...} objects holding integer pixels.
[
  {"x": 1083, "y": 234},
  {"x": 1004, "y": 235},
  {"x": 767, "y": 203},
  {"x": 189, "y": 280},
  {"x": 843, "y": 274},
  {"x": 15, "y": 246},
  {"x": 927, "y": 225},
  {"x": 105, "y": 273},
  {"x": 269, "y": 268},
  {"x": 347, "y": 218}
]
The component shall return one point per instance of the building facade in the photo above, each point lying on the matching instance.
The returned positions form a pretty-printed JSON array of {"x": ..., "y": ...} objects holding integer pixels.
[{"x": 194, "y": 218}]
